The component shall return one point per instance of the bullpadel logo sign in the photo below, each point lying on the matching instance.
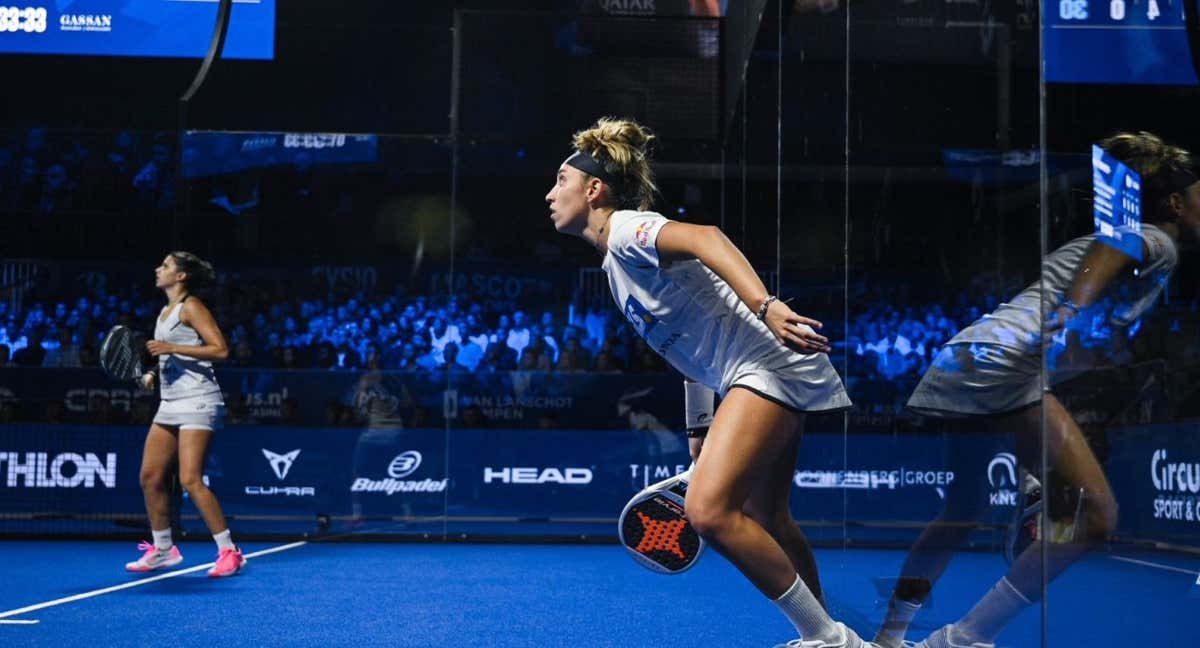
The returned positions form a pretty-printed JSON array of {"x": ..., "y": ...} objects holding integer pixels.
[{"x": 402, "y": 465}]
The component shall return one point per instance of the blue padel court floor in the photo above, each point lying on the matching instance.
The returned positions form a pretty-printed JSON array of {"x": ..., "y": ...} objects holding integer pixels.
[{"x": 63, "y": 593}]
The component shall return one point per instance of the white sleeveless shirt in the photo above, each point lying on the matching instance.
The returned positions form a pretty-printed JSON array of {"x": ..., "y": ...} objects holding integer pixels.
[
  {"x": 182, "y": 376},
  {"x": 688, "y": 314}
]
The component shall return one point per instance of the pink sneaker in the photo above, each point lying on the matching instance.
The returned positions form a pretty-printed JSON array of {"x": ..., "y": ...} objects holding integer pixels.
[
  {"x": 152, "y": 559},
  {"x": 229, "y": 562}
]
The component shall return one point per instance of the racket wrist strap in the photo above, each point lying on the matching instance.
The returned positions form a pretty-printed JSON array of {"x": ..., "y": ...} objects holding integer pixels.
[{"x": 698, "y": 405}]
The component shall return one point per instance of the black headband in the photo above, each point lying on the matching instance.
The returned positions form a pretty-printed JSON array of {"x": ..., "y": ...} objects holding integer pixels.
[{"x": 589, "y": 165}]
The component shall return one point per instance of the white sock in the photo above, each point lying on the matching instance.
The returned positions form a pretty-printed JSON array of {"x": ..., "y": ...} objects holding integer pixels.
[
  {"x": 900, "y": 615},
  {"x": 224, "y": 540},
  {"x": 162, "y": 539},
  {"x": 806, "y": 614},
  {"x": 992, "y": 613}
]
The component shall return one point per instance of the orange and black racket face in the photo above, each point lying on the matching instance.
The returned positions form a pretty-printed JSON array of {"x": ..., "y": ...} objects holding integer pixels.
[{"x": 657, "y": 534}]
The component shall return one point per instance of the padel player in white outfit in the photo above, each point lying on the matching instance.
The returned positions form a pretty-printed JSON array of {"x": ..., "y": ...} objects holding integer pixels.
[
  {"x": 989, "y": 375},
  {"x": 186, "y": 342},
  {"x": 695, "y": 299}
]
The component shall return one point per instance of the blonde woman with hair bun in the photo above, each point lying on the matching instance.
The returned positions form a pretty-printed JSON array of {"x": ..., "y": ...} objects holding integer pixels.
[
  {"x": 989, "y": 378},
  {"x": 695, "y": 299}
]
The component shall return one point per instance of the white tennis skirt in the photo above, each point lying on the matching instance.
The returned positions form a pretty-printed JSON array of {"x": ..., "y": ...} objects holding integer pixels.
[
  {"x": 197, "y": 413},
  {"x": 801, "y": 382},
  {"x": 973, "y": 379}
]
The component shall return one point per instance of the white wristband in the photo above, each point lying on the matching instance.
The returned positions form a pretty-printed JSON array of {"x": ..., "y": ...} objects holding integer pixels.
[{"x": 698, "y": 401}]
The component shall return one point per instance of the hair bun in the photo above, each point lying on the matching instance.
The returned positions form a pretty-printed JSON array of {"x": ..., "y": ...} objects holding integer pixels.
[{"x": 623, "y": 147}]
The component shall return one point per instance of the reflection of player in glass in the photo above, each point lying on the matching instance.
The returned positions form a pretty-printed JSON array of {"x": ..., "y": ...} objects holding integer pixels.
[
  {"x": 704, "y": 309},
  {"x": 990, "y": 373},
  {"x": 186, "y": 341}
]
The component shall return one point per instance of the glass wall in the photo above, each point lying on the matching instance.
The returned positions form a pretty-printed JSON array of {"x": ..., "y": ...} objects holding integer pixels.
[
  {"x": 1120, "y": 362},
  {"x": 417, "y": 353}
]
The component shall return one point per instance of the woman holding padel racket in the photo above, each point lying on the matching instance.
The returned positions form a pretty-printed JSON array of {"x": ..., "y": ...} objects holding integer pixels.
[
  {"x": 186, "y": 342},
  {"x": 693, "y": 296}
]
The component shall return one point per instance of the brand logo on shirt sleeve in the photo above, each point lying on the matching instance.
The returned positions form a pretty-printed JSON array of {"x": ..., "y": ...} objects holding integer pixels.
[{"x": 642, "y": 234}]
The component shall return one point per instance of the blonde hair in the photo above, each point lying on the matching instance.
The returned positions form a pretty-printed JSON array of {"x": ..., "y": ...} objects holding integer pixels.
[
  {"x": 622, "y": 147},
  {"x": 1153, "y": 159}
]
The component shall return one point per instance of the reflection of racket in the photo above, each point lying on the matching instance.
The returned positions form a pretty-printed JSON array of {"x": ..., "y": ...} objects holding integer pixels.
[
  {"x": 123, "y": 355},
  {"x": 654, "y": 530}
]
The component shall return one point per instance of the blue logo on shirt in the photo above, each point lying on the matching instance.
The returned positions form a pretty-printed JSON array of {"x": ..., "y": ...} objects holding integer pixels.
[{"x": 641, "y": 318}]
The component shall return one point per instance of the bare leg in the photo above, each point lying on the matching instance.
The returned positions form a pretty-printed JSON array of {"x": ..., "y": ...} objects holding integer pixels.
[
  {"x": 1070, "y": 456},
  {"x": 933, "y": 550},
  {"x": 158, "y": 455},
  {"x": 769, "y": 506},
  {"x": 193, "y": 447},
  {"x": 747, "y": 436}
]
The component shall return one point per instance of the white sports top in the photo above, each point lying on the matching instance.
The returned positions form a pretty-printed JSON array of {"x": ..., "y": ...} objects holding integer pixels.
[
  {"x": 182, "y": 376},
  {"x": 1017, "y": 324},
  {"x": 685, "y": 312}
]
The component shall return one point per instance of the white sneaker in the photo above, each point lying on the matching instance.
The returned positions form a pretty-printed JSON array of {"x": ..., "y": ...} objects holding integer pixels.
[
  {"x": 848, "y": 639},
  {"x": 152, "y": 559},
  {"x": 941, "y": 639}
]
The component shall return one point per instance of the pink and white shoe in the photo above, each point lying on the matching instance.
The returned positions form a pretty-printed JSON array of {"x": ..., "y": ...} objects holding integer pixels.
[
  {"x": 229, "y": 562},
  {"x": 153, "y": 559}
]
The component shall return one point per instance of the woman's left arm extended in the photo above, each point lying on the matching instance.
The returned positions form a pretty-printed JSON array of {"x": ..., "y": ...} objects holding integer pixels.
[
  {"x": 680, "y": 241},
  {"x": 196, "y": 315}
]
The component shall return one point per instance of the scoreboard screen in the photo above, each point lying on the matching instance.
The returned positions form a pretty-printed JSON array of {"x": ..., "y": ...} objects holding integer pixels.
[
  {"x": 151, "y": 28},
  {"x": 1118, "y": 41},
  {"x": 1117, "y": 203}
]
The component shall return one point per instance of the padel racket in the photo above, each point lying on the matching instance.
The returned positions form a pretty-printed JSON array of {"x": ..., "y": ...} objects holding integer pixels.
[
  {"x": 655, "y": 531},
  {"x": 123, "y": 354}
]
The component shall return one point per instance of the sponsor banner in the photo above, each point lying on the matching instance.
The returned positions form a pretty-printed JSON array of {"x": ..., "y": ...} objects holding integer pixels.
[
  {"x": 398, "y": 473},
  {"x": 91, "y": 469},
  {"x": 1154, "y": 471},
  {"x": 207, "y": 153},
  {"x": 171, "y": 29},
  {"x": 387, "y": 479},
  {"x": 264, "y": 396},
  {"x": 268, "y": 470}
]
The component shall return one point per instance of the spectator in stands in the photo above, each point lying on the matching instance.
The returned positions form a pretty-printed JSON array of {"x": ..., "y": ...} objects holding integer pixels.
[
  {"x": 32, "y": 355},
  {"x": 65, "y": 352},
  {"x": 518, "y": 335},
  {"x": 57, "y": 191}
]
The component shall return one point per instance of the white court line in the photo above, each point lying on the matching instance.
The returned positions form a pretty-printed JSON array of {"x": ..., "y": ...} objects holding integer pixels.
[
  {"x": 1151, "y": 564},
  {"x": 143, "y": 581},
  {"x": 18, "y": 621}
]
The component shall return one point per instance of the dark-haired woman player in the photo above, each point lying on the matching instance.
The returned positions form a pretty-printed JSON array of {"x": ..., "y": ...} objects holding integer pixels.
[
  {"x": 186, "y": 342},
  {"x": 692, "y": 295}
]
